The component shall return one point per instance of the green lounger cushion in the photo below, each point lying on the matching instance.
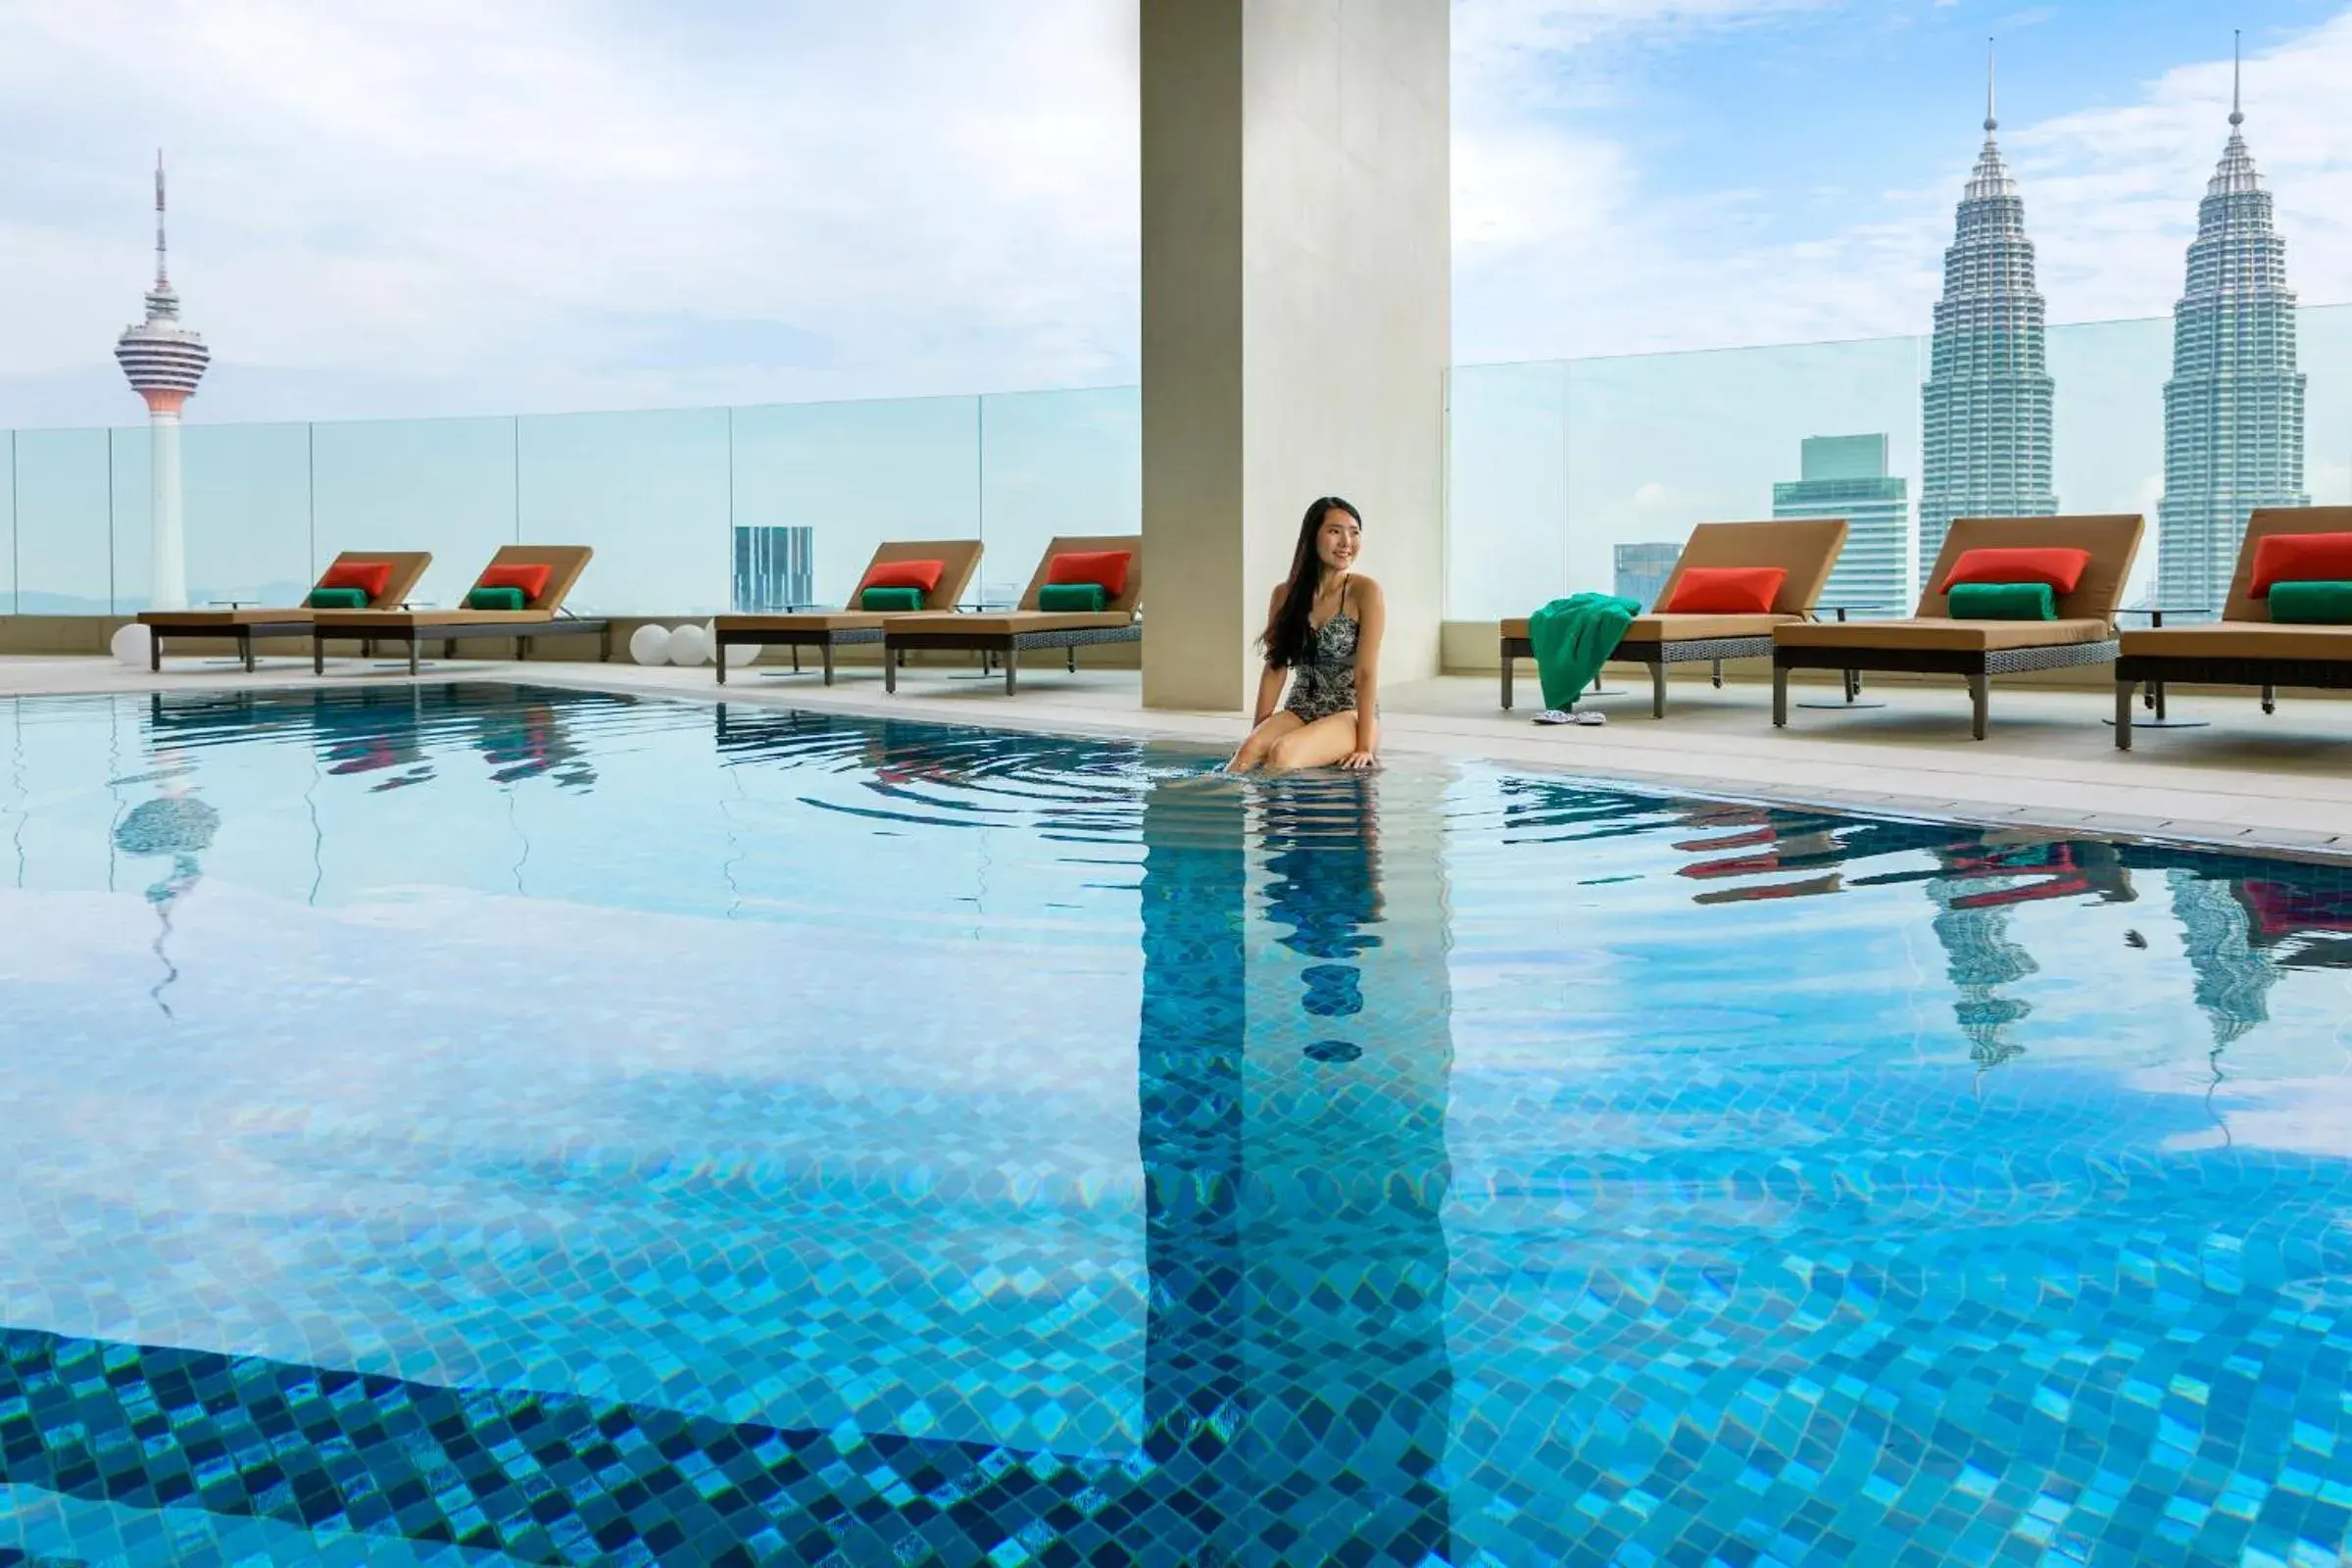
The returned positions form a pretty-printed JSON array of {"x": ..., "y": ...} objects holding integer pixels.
[
  {"x": 1072, "y": 598},
  {"x": 494, "y": 599},
  {"x": 337, "y": 599},
  {"x": 2312, "y": 604},
  {"x": 891, "y": 599},
  {"x": 2003, "y": 601}
]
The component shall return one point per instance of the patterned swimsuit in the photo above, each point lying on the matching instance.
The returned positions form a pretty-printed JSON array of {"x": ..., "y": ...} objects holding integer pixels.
[{"x": 1325, "y": 684}]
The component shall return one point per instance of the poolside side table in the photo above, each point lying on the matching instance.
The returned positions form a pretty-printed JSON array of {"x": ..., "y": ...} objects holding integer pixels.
[
  {"x": 1853, "y": 677},
  {"x": 2153, "y": 697}
]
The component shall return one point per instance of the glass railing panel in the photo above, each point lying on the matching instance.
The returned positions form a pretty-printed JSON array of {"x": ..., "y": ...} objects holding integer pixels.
[
  {"x": 1055, "y": 464},
  {"x": 1506, "y": 515},
  {"x": 1661, "y": 442},
  {"x": 2324, "y": 355},
  {"x": 648, "y": 492},
  {"x": 852, "y": 474},
  {"x": 2107, "y": 426},
  {"x": 247, "y": 504},
  {"x": 443, "y": 485},
  {"x": 8, "y": 522},
  {"x": 65, "y": 564}
]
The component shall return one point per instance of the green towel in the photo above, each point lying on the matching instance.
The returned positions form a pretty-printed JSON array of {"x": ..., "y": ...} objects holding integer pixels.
[
  {"x": 1072, "y": 598},
  {"x": 891, "y": 599},
  {"x": 2312, "y": 604},
  {"x": 2003, "y": 601},
  {"x": 337, "y": 599},
  {"x": 493, "y": 599},
  {"x": 1573, "y": 638}
]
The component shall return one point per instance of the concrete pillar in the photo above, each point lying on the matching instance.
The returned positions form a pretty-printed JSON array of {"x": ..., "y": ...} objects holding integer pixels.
[
  {"x": 1296, "y": 278},
  {"x": 168, "y": 568}
]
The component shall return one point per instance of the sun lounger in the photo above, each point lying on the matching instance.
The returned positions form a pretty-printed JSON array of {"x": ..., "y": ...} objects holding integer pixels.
[
  {"x": 542, "y": 614},
  {"x": 828, "y": 629},
  {"x": 1805, "y": 550},
  {"x": 2245, "y": 647},
  {"x": 1007, "y": 636},
  {"x": 1932, "y": 642},
  {"x": 242, "y": 623}
]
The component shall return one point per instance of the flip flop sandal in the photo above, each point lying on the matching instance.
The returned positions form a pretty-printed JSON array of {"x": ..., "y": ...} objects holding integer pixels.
[
  {"x": 1594, "y": 717},
  {"x": 1555, "y": 716}
]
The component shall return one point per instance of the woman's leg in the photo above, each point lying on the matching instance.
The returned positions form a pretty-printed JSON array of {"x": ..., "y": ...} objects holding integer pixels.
[
  {"x": 1322, "y": 744},
  {"x": 1260, "y": 744}
]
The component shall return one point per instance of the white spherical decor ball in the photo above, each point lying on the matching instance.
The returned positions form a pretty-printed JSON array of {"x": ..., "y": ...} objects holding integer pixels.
[
  {"x": 741, "y": 653},
  {"x": 132, "y": 645},
  {"x": 650, "y": 645},
  {"x": 689, "y": 644}
]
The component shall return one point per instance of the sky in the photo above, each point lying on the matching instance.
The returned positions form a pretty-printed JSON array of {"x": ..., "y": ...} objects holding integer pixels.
[{"x": 435, "y": 207}]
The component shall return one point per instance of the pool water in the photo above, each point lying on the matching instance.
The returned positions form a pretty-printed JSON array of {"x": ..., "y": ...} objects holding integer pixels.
[{"x": 469, "y": 1123}]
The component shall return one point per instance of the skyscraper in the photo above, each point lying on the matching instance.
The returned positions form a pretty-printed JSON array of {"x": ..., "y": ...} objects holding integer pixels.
[
  {"x": 2234, "y": 408},
  {"x": 1845, "y": 476},
  {"x": 164, "y": 360},
  {"x": 1642, "y": 570},
  {"x": 1985, "y": 408},
  {"x": 773, "y": 568}
]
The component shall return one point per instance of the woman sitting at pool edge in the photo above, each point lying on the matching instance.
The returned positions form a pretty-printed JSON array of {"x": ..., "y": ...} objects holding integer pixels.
[{"x": 1323, "y": 637}]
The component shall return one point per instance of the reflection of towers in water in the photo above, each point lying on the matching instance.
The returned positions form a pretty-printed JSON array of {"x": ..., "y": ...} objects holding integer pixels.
[
  {"x": 1976, "y": 888},
  {"x": 182, "y": 826},
  {"x": 1293, "y": 1081},
  {"x": 2231, "y": 979}
]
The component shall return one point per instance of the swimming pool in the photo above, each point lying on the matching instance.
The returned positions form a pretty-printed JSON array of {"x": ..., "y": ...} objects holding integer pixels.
[{"x": 467, "y": 1123}]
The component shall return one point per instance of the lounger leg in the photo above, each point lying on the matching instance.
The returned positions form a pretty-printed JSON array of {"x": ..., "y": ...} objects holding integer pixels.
[
  {"x": 413, "y": 642},
  {"x": 1507, "y": 679},
  {"x": 1979, "y": 699},
  {"x": 2270, "y": 697},
  {"x": 1012, "y": 668},
  {"x": 829, "y": 663},
  {"x": 1780, "y": 697},
  {"x": 318, "y": 654},
  {"x": 1073, "y": 658},
  {"x": 245, "y": 647},
  {"x": 1853, "y": 685},
  {"x": 1719, "y": 674},
  {"x": 523, "y": 649},
  {"x": 720, "y": 641},
  {"x": 796, "y": 658},
  {"x": 2156, "y": 690},
  {"x": 2123, "y": 712},
  {"x": 1657, "y": 688},
  {"x": 889, "y": 668},
  {"x": 155, "y": 651},
  {"x": 604, "y": 648}
]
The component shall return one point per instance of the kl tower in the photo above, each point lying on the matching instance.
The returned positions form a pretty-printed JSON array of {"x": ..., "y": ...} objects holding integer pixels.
[{"x": 164, "y": 360}]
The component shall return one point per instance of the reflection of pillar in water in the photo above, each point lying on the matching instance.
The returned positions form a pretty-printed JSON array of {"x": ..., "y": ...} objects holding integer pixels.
[
  {"x": 1345, "y": 1173},
  {"x": 1189, "y": 1076},
  {"x": 2232, "y": 980}
]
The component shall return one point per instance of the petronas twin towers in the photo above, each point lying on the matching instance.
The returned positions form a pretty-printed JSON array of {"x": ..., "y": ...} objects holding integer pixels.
[{"x": 2233, "y": 409}]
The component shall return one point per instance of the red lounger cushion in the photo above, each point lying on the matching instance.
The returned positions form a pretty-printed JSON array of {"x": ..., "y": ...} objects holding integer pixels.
[
  {"x": 2301, "y": 558},
  {"x": 371, "y": 577},
  {"x": 2056, "y": 566},
  {"x": 1106, "y": 567},
  {"x": 1726, "y": 591},
  {"x": 920, "y": 575},
  {"x": 531, "y": 578}
]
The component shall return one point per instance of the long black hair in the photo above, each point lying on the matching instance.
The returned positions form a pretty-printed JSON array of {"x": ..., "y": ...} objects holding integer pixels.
[{"x": 1287, "y": 632}]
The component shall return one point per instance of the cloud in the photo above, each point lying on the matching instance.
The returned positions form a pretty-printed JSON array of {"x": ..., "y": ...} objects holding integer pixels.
[
  {"x": 1566, "y": 245},
  {"x": 505, "y": 201}
]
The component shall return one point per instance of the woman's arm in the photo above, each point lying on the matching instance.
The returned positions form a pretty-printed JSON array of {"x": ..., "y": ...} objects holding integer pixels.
[
  {"x": 1371, "y": 619},
  {"x": 1271, "y": 678}
]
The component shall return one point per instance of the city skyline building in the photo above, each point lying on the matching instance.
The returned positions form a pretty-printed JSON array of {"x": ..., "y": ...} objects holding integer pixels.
[
  {"x": 2233, "y": 405},
  {"x": 164, "y": 362},
  {"x": 1845, "y": 476},
  {"x": 1985, "y": 425},
  {"x": 774, "y": 567},
  {"x": 1642, "y": 570}
]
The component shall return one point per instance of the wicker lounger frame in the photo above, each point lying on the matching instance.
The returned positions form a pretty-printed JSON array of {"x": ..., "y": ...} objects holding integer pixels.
[
  {"x": 1007, "y": 646},
  {"x": 795, "y": 638},
  {"x": 2161, "y": 670},
  {"x": 242, "y": 635},
  {"x": 451, "y": 633},
  {"x": 1657, "y": 654},
  {"x": 1975, "y": 667}
]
